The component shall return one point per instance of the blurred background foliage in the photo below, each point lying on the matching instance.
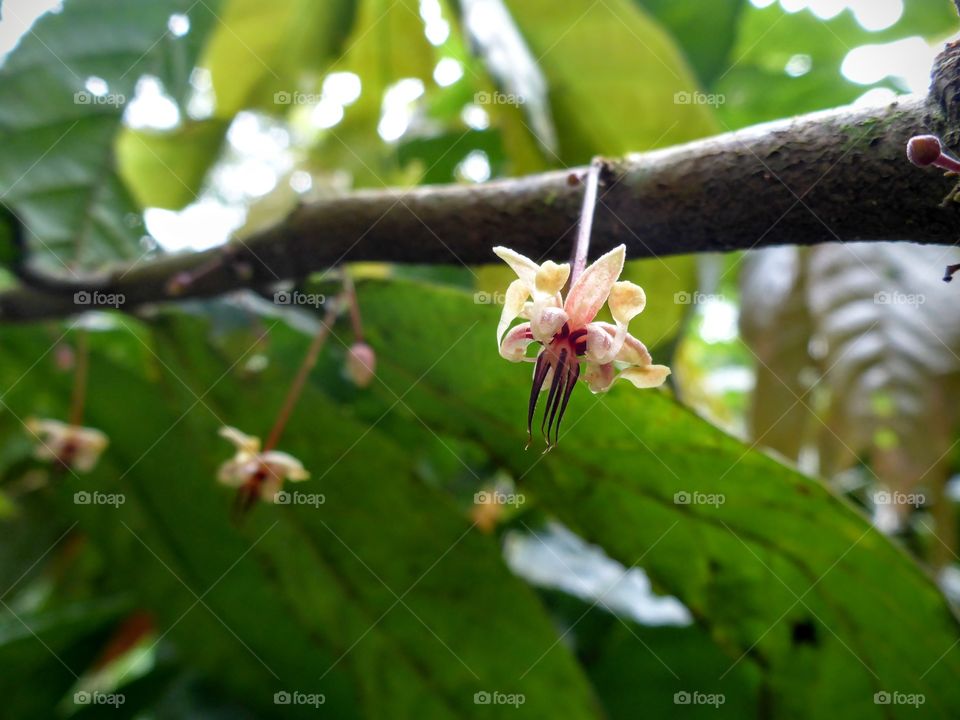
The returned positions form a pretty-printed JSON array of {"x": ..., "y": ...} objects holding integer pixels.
[{"x": 129, "y": 130}]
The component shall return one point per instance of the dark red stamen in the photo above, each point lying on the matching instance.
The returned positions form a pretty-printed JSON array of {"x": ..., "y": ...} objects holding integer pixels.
[
  {"x": 67, "y": 454},
  {"x": 573, "y": 374},
  {"x": 561, "y": 354},
  {"x": 539, "y": 375},
  {"x": 249, "y": 493},
  {"x": 553, "y": 398}
]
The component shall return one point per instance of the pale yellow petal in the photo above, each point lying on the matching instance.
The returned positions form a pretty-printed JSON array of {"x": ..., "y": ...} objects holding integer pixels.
[
  {"x": 626, "y": 301},
  {"x": 649, "y": 376},
  {"x": 244, "y": 443},
  {"x": 90, "y": 439},
  {"x": 591, "y": 289},
  {"x": 551, "y": 278},
  {"x": 48, "y": 429},
  {"x": 34, "y": 426},
  {"x": 525, "y": 268}
]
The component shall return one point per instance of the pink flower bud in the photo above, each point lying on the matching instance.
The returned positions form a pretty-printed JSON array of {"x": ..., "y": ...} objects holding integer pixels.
[
  {"x": 361, "y": 364},
  {"x": 926, "y": 150}
]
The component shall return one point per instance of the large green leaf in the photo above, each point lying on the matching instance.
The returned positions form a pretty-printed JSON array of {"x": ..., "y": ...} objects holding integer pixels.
[
  {"x": 167, "y": 169},
  {"x": 57, "y": 168},
  {"x": 387, "y": 44},
  {"x": 707, "y": 35},
  {"x": 655, "y": 669},
  {"x": 384, "y": 598},
  {"x": 260, "y": 56},
  {"x": 261, "y": 49},
  {"x": 617, "y": 82},
  {"x": 755, "y": 83},
  {"x": 783, "y": 574}
]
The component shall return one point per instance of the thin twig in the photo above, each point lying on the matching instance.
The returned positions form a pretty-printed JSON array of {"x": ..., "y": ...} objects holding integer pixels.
[
  {"x": 350, "y": 291},
  {"x": 296, "y": 388},
  {"x": 582, "y": 248},
  {"x": 79, "y": 395}
]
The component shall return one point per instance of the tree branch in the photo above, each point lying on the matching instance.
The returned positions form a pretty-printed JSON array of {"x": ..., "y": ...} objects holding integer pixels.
[{"x": 839, "y": 175}]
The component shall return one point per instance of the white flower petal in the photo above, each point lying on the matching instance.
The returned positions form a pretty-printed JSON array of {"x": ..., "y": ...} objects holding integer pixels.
[
  {"x": 513, "y": 305},
  {"x": 547, "y": 379},
  {"x": 46, "y": 452},
  {"x": 284, "y": 466},
  {"x": 600, "y": 349},
  {"x": 591, "y": 289},
  {"x": 514, "y": 345},
  {"x": 599, "y": 377},
  {"x": 545, "y": 322},
  {"x": 633, "y": 352},
  {"x": 85, "y": 457},
  {"x": 233, "y": 473}
]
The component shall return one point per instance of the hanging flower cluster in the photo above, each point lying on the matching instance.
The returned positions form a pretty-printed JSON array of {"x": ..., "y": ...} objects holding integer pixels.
[{"x": 569, "y": 335}]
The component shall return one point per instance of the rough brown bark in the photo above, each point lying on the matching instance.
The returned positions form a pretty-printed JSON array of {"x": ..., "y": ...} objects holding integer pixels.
[{"x": 839, "y": 175}]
